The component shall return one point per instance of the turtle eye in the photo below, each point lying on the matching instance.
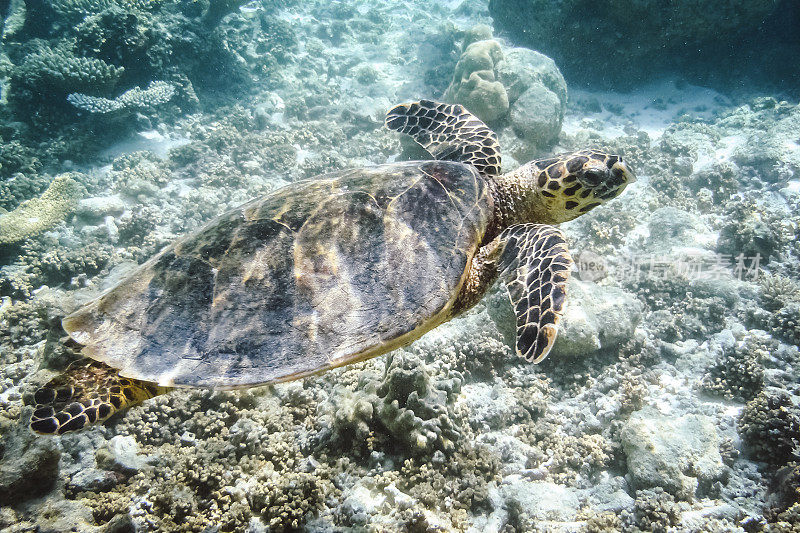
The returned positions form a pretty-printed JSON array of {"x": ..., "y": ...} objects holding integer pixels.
[{"x": 592, "y": 177}]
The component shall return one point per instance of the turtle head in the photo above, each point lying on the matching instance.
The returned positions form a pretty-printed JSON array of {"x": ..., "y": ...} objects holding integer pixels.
[{"x": 570, "y": 185}]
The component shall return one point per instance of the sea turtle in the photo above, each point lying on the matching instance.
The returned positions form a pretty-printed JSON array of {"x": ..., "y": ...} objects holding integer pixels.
[{"x": 335, "y": 270}]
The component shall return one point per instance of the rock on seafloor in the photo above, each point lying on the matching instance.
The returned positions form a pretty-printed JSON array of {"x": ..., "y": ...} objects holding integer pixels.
[
  {"x": 596, "y": 317},
  {"x": 28, "y": 467},
  {"x": 680, "y": 454}
]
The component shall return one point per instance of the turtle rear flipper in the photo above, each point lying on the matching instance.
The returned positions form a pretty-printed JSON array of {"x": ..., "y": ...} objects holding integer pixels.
[
  {"x": 449, "y": 133},
  {"x": 535, "y": 265},
  {"x": 88, "y": 392}
]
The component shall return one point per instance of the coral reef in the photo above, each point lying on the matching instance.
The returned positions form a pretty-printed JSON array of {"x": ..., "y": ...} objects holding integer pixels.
[
  {"x": 474, "y": 82},
  {"x": 679, "y": 455},
  {"x": 47, "y": 76},
  {"x": 411, "y": 407},
  {"x": 778, "y": 291},
  {"x": 655, "y": 510},
  {"x": 158, "y": 92},
  {"x": 753, "y": 229},
  {"x": 39, "y": 214},
  {"x": 631, "y": 423},
  {"x": 738, "y": 374},
  {"x": 770, "y": 426},
  {"x": 786, "y": 323}
]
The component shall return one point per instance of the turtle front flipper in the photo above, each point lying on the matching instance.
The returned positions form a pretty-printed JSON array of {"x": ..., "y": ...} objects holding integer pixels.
[
  {"x": 87, "y": 393},
  {"x": 449, "y": 133},
  {"x": 535, "y": 264}
]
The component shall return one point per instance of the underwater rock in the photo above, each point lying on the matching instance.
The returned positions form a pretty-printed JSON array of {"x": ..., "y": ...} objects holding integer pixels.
[
  {"x": 681, "y": 455},
  {"x": 537, "y": 93},
  {"x": 492, "y": 81},
  {"x": 29, "y": 465},
  {"x": 672, "y": 228},
  {"x": 522, "y": 68},
  {"x": 99, "y": 207},
  {"x": 596, "y": 317},
  {"x": 475, "y": 84},
  {"x": 39, "y": 214},
  {"x": 536, "y": 117},
  {"x": 359, "y": 506},
  {"x": 491, "y": 407},
  {"x": 533, "y": 501},
  {"x": 121, "y": 454},
  {"x": 60, "y": 515},
  {"x": 93, "y": 480},
  {"x": 611, "y": 495}
]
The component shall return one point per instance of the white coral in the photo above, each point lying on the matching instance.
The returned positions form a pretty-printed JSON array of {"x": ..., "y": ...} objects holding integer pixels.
[{"x": 158, "y": 92}]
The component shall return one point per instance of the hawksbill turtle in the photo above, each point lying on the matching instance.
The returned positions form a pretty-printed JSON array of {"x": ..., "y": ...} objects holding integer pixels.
[{"x": 336, "y": 269}]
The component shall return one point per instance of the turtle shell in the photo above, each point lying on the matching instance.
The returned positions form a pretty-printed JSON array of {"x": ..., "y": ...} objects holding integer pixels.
[{"x": 316, "y": 275}]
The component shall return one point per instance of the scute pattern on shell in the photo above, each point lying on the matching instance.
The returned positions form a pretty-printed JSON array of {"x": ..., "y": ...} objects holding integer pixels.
[{"x": 316, "y": 275}]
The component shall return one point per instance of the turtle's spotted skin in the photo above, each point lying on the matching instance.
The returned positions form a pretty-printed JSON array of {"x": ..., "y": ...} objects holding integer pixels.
[
  {"x": 89, "y": 392},
  {"x": 561, "y": 177},
  {"x": 335, "y": 270}
]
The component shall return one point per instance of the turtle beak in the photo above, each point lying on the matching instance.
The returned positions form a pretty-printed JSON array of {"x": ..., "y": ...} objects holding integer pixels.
[{"x": 627, "y": 174}]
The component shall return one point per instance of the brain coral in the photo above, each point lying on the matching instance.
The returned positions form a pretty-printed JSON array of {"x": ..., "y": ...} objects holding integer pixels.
[{"x": 474, "y": 82}]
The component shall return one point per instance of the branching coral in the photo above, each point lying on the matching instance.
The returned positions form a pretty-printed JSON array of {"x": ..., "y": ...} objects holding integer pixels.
[
  {"x": 76, "y": 10},
  {"x": 39, "y": 263},
  {"x": 158, "y": 92},
  {"x": 778, "y": 291},
  {"x": 139, "y": 174},
  {"x": 739, "y": 372},
  {"x": 21, "y": 324},
  {"x": 655, "y": 510},
  {"x": 460, "y": 481},
  {"x": 222, "y": 460},
  {"x": 18, "y": 167},
  {"x": 770, "y": 426},
  {"x": 286, "y": 500},
  {"x": 753, "y": 228},
  {"x": 785, "y": 323},
  {"x": 50, "y": 75},
  {"x": 562, "y": 458}
]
